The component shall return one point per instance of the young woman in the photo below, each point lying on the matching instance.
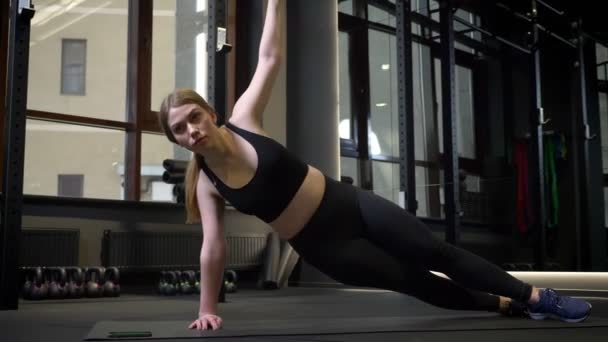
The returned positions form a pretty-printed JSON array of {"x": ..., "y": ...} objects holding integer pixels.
[{"x": 352, "y": 235}]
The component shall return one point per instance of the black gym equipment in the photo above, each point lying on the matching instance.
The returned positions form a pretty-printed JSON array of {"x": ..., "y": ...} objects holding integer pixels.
[
  {"x": 12, "y": 198},
  {"x": 187, "y": 282},
  {"x": 175, "y": 166},
  {"x": 230, "y": 281},
  {"x": 586, "y": 258},
  {"x": 168, "y": 284},
  {"x": 39, "y": 289},
  {"x": 111, "y": 284},
  {"x": 56, "y": 282},
  {"x": 34, "y": 285},
  {"x": 94, "y": 282},
  {"x": 178, "y": 282},
  {"x": 75, "y": 282}
]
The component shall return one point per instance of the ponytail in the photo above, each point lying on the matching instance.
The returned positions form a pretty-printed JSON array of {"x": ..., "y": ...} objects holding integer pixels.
[{"x": 193, "y": 214}]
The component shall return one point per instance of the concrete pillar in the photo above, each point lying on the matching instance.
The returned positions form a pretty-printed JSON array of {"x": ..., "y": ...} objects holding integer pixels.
[
  {"x": 312, "y": 95},
  {"x": 312, "y": 83}
]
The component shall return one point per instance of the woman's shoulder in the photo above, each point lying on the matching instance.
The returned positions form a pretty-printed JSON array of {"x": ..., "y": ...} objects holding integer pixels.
[
  {"x": 248, "y": 125},
  {"x": 205, "y": 187}
]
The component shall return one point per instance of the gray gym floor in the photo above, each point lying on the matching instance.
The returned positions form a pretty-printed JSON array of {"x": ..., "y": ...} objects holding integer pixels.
[{"x": 296, "y": 314}]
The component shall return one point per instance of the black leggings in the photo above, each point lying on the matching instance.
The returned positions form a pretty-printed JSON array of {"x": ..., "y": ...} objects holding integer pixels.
[{"x": 361, "y": 239}]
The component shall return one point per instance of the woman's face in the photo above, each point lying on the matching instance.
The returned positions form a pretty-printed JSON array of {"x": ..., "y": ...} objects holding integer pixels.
[{"x": 192, "y": 126}]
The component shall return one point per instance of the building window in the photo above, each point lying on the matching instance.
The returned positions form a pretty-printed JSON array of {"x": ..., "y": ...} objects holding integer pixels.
[
  {"x": 73, "y": 66},
  {"x": 70, "y": 185}
]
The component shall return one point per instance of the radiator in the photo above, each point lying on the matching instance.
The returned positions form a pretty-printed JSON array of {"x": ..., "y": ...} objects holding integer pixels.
[
  {"x": 49, "y": 247},
  {"x": 165, "y": 250}
]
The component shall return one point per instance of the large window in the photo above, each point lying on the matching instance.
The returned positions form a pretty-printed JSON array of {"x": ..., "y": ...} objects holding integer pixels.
[
  {"x": 80, "y": 133},
  {"x": 54, "y": 149},
  {"x": 383, "y": 121},
  {"x": 465, "y": 118},
  {"x": 71, "y": 39}
]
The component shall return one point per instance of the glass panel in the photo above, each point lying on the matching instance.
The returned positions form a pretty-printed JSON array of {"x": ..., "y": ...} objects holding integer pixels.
[
  {"x": 155, "y": 149},
  {"x": 103, "y": 24},
  {"x": 377, "y": 15},
  {"x": 384, "y": 134},
  {"x": 345, "y": 6},
  {"x": 603, "y": 101},
  {"x": 73, "y": 66},
  {"x": 349, "y": 167},
  {"x": 179, "y": 51},
  {"x": 602, "y": 53},
  {"x": 467, "y": 16},
  {"x": 346, "y": 122},
  {"x": 434, "y": 7},
  {"x": 425, "y": 126},
  {"x": 54, "y": 149},
  {"x": 386, "y": 181},
  {"x": 602, "y": 61},
  {"x": 419, "y": 6},
  {"x": 428, "y": 179},
  {"x": 464, "y": 110},
  {"x": 429, "y": 192}
]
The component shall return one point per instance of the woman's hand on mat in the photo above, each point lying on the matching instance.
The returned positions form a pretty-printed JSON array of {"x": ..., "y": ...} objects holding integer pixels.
[{"x": 207, "y": 322}]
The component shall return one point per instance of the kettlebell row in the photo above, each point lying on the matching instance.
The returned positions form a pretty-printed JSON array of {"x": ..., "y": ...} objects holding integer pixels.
[
  {"x": 40, "y": 283},
  {"x": 175, "y": 282}
]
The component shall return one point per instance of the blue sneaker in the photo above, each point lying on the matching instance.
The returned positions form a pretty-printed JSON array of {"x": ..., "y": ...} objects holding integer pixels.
[{"x": 552, "y": 305}]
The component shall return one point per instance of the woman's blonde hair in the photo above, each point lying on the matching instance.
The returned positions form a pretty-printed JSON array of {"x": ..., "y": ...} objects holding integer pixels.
[{"x": 180, "y": 97}]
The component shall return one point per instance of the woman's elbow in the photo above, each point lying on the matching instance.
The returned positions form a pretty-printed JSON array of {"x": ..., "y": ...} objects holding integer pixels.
[
  {"x": 213, "y": 252},
  {"x": 272, "y": 59}
]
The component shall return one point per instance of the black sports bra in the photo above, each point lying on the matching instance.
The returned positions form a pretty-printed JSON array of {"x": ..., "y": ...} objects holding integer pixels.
[{"x": 277, "y": 178}]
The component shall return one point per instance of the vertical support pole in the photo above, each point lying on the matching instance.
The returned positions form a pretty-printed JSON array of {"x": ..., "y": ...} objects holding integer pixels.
[
  {"x": 21, "y": 13},
  {"x": 407, "y": 171},
  {"x": 450, "y": 141},
  {"x": 360, "y": 93},
  {"x": 139, "y": 90},
  {"x": 537, "y": 121},
  {"x": 592, "y": 239},
  {"x": 216, "y": 57},
  {"x": 4, "y": 22}
]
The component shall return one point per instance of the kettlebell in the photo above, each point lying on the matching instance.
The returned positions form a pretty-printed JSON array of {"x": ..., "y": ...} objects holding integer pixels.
[
  {"x": 230, "y": 279},
  {"x": 39, "y": 288},
  {"x": 178, "y": 281},
  {"x": 187, "y": 282},
  {"x": 27, "y": 277},
  {"x": 162, "y": 283},
  {"x": 74, "y": 288},
  {"x": 111, "y": 286},
  {"x": 93, "y": 279},
  {"x": 171, "y": 283},
  {"x": 197, "y": 281},
  {"x": 57, "y": 279}
]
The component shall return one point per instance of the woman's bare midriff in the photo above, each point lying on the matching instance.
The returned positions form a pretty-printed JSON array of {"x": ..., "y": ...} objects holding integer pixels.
[{"x": 303, "y": 205}]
